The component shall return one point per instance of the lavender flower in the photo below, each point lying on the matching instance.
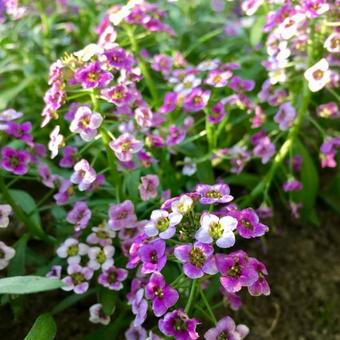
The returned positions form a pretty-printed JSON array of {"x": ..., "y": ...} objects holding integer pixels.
[
  {"x": 77, "y": 279},
  {"x": 122, "y": 215},
  {"x": 6, "y": 254},
  {"x": 20, "y": 131},
  {"x": 84, "y": 175},
  {"x": 162, "y": 223},
  {"x": 5, "y": 211},
  {"x": 148, "y": 187},
  {"x": 285, "y": 116},
  {"x": 56, "y": 141},
  {"x": 125, "y": 146},
  {"x": 329, "y": 110},
  {"x": 54, "y": 273},
  {"x": 97, "y": 315},
  {"x": 196, "y": 100},
  {"x": 15, "y": 161},
  {"x": 178, "y": 325},
  {"x": 112, "y": 278},
  {"x": 217, "y": 78},
  {"x": 163, "y": 296},
  {"x": 292, "y": 185},
  {"x": 46, "y": 176},
  {"x": 86, "y": 123},
  {"x": 153, "y": 256},
  {"x": 260, "y": 286},
  {"x": 118, "y": 58},
  {"x": 69, "y": 157},
  {"x": 211, "y": 194},
  {"x": 92, "y": 75},
  {"x": 219, "y": 230},
  {"x": 79, "y": 216},
  {"x": 119, "y": 95},
  {"x": 197, "y": 259}
]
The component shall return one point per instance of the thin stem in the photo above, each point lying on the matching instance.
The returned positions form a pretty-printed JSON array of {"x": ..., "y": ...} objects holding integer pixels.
[
  {"x": 211, "y": 313},
  {"x": 191, "y": 296}
]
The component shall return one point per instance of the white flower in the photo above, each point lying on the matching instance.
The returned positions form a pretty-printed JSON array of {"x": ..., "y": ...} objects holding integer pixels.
[
  {"x": 332, "y": 43},
  {"x": 318, "y": 75},
  {"x": 5, "y": 211},
  {"x": 101, "y": 257},
  {"x": 88, "y": 52},
  {"x": 215, "y": 229},
  {"x": 56, "y": 141},
  {"x": 183, "y": 205},
  {"x": 6, "y": 254},
  {"x": 97, "y": 315},
  {"x": 163, "y": 223},
  {"x": 188, "y": 83},
  {"x": 189, "y": 167},
  {"x": 289, "y": 27},
  {"x": 72, "y": 249}
]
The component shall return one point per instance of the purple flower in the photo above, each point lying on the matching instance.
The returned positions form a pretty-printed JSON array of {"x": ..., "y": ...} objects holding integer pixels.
[
  {"x": 226, "y": 329},
  {"x": 86, "y": 123},
  {"x": 65, "y": 190},
  {"x": 285, "y": 116},
  {"x": 20, "y": 131},
  {"x": 124, "y": 146},
  {"x": 196, "y": 100},
  {"x": 15, "y": 161},
  {"x": 69, "y": 157},
  {"x": 46, "y": 176},
  {"x": 139, "y": 307},
  {"x": 56, "y": 141},
  {"x": 119, "y": 95},
  {"x": 328, "y": 152},
  {"x": 84, "y": 175},
  {"x": 136, "y": 333},
  {"x": 264, "y": 148},
  {"x": 217, "y": 113},
  {"x": 77, "y": 279},
  {"x": 329, "y": 110},
  {"x": 248, "y": 224},
  {"x": 148, "y": 187},
  {"x": 10, "y": 114},
  {"x": 72, "y": 249},
  {"x": 97, "y": 315},
  {"x": 153, "y": 256},
  {"x": 118, "y": 58},
  {"x": 163, "y": 296},
  {"x": 211, "y": 194},
  {"x": 215, "y": 229},
  {"x": 259, "y": 287},
  {"x": 235, "y": 270},
  {"x": 176, "y": 135},
  {"x": 5, "y": 211},
  {"x": 101, "y": 257},
  {"x": 169, "y": 103},
  {"x": 6, "y": 254},
  {"x": 292, "y": 185},
  {"x": 197, "y": 259},
  {"x": 162, "y": 223},
  {"x": 92, "y": 76},
  {"x": 54, "y": 273},
  {"x": 178, "y": 325},
  {"x": 122, "y": 215},
  {"x": 79, "y": 216},
  {"x": 218, "y": 78},
  {"x": 238, "y": 84},
  {"x": 162, "y": 63},
  {"x": 144, "y": 117},
  {"x": 112, "y": 278}
]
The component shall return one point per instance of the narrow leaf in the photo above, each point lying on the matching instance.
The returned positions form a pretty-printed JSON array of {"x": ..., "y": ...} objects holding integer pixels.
[{"x": 44, "y": 328}]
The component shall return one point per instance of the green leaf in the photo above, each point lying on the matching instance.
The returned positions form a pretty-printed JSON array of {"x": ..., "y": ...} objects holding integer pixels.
[
  {"x": 44, "y": 328},
  {"x": 28, "y": 205},
  {"x": 108, "y": 299},
  {"x": 28, "y": 284},
  {"x": 205, "y": 172},
  {"x": 256, "y": 31},
  {"x": 246, "y": 180},
  {"x": 17, "y": 264}
]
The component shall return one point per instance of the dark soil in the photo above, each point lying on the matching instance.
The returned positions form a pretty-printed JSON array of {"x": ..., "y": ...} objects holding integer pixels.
[{"x": 304, "y": 274}]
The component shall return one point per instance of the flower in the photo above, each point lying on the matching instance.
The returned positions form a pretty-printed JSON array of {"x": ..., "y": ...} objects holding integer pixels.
[
  {"x": 72, "y": 249},
  {"x": 219, "y": 230},
  {"x": 56, "y": 141},
  {"x": 102, "y": 235},
  {"x": 292, "y": 185},
  {"x": 285, "y": 116},
  {"x": 136, "y": 333},
  {"x": 92, "y": 75},
  {"x": 163, "y": 296},
  {"x": 328, "y": 152},
  {"x": 251, "y": 6},
  {"x": 84, "y": 175},
  {"x": 20, "y": 131},
  {"x": 15, "y": 161},
  {"x": 10, "y": 114},
  {"x": 185, "y": 87},
  {"x": 217, "y": 78},
  {"x": 235, "y": 270},
  {"x": 64, "y": 193},
  {"x": 260, "y": 286},
  {"x": 152, "y": 256},
  {"x": 178, "y": 325},
  {"x": 5, "y": 211},
  {"x": 248, "y": 224},
  {"x": 79, "y": 216},
  {"x": 54, "y": 273},
  {"x": 196, "y": 100},
  {"x": 148, "y": 187},
  {"x": 332, "y": 43},
  {"x": 118, "y": 58},
  {"x": 189, "y": 167},
  {"x": 46, "y": 176},
  {"x": 77, "y": 279},
  {"x": 182, "y": 205},
  {"x": 86, "y": 123},
  {"x": 119, "y": 95},
  {"x": 318, "y": 75},
  {"x": 329, "y": 110},
  {"x": 6, "y": 254},
  {"x": 162, "y": 223},
  {"x": 112, "y": 278},
  {"x": 97, "y": 315},
  {"x": 263, "y": 147},
  {"x": 124, "y": 146},
  {"x": 217, "y": 113},
  {"x": 69, "y": 157},
  {"x": 211, "y": 194},
  {"x": 226, "y": 329},
  {"x": 122, "y": 215},
  {"x": 162, "y": 63},
  {"x": 101, "y": 257},
  {"x": 197, "y": 259}
]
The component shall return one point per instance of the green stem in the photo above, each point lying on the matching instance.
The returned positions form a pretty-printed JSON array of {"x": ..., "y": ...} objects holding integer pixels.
[
  {"x": 208, "y": 306},
  {"x": 191, "y": 296}
]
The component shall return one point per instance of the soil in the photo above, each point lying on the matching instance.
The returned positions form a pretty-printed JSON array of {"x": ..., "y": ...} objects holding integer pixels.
[{"x": 304, "y": 274}]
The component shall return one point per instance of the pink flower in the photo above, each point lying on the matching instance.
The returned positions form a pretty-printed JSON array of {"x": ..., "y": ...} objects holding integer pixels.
[
  {"x": 84, "y": 175},
  {"x": 124, "y": 146},
  {"x": 148, "y": 187}
]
